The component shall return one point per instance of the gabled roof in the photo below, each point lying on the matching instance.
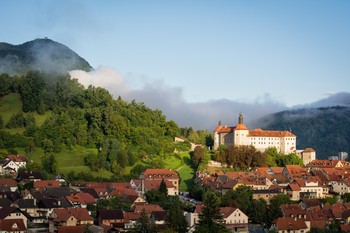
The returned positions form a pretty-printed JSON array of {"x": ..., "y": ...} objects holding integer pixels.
[
  {"x": 131, "y": 216},
  {"x": 81, "y": 214},
  {"x": 288, "y": 223},
  {"x": 155, "y": 184},
  {"x": 110, "y": 214},
  {"x": 159, "y": 215},
  {"x": 8, "y": 182},
  {"x": 6, "y": 211},
  {"x": 227, "y": 211},
  {"x": 158, "y": 173},
  {"x": 294, "y": 186},
  {"x": 16, "y": 158},
  {"x": 12, "y": 225},
  {"x": 87, "y": 197},
  {"x": 29, "y": 175},
  {"x": 224, "y": 129},
  {"x": 149, "y": 208},
  {"x": 52, "y": 203},
  {"x": 75, "y": 199},
  {"x": 309, "y": 149},
  {"x": 47, "y": 184}
]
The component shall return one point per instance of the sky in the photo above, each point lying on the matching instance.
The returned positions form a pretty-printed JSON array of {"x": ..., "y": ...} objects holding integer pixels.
[{"x": 198, "y": 61}]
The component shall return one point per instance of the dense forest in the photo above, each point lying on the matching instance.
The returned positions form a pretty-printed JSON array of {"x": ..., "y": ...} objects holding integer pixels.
[
  {"x": 123, "y": 132},
  {"x": 326, "y": 130}
]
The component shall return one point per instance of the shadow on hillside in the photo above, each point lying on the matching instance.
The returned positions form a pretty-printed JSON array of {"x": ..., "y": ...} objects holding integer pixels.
[{"x": 188, "y": 161}]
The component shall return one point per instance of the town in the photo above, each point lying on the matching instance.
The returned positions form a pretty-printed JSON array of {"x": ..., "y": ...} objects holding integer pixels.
[{"x": 317, "y": 192}]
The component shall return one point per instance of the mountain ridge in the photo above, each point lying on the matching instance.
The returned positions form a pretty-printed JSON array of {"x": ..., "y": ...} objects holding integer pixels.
[{"x": 41, "y": 54}]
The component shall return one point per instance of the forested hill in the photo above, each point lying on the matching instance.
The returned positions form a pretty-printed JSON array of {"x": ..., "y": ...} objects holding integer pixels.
[
  {"x": 41, "y": 54},
  {"x": 327, "y": 130}
]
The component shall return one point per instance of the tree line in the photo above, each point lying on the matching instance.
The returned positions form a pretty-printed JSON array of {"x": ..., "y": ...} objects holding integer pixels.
[{"x": 123, "y": 132}]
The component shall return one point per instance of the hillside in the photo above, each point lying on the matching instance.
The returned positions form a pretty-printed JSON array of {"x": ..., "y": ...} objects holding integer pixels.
[
  {"x": 327, "y": 130},
  {"x": 40, "y": 54}
]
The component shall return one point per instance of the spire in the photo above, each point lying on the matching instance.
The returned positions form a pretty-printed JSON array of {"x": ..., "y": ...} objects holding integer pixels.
[
  {"x": 240, "y": 119},
  {"x": 219, "y": 123}
]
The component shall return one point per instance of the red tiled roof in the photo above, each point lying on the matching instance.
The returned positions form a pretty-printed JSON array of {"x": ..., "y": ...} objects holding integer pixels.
[
  {"x": 226, "y": 129},
  {"x": 269, "y": 133},
  {"x": 47, "y": 184},
  {"x": 17, "y": 158},
  {"x": 81, "y": 214},
  {"x": 70, "y": 229},
  {"x": 227, "y": 211},
  {"x": 76, "y": 199},
  {"x": 8, "y": 182},
  {"x": 12, "y": 225},
  {"x": 160, "y": 173},
  {"x": 149, "y": 208},
  {"x": 289, "y": 223},
  {"x": 88, "y": 198},
  {"x": 294, "y": 187},
  {"x": 309, "y": 150},
  {"x": 154, "y": 184},
  {"x": 218, "y": 128},
  {"x": 277, "y": 170},
  {"x": 241, "y": 127}
]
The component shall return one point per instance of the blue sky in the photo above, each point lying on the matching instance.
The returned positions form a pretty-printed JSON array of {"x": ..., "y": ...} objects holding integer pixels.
[{"x": 284, "y": 52}]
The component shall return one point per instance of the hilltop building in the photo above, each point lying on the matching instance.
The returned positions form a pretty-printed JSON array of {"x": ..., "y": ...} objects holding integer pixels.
[{"x": 284, "y": 141}]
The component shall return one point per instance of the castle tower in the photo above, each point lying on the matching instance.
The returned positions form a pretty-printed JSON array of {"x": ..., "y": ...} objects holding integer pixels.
[
  {"x": 240, "y": 118},
  {"x": 240, "y": 134}
]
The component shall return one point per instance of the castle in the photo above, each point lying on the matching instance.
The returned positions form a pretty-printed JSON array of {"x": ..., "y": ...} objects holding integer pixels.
[{"x": 284, "y": 141}]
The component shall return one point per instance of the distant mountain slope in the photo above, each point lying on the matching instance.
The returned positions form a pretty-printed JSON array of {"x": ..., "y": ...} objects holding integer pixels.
[
  {"x": 40, "y": 54},
  {"x": 327, "y": 130}
]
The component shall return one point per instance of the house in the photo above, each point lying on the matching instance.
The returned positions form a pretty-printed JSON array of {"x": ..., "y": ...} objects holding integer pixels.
[
  {"x": 161, "y": 174},
  {"x": 87, "y": 198},
  {"x": 110, "y": 217},
  {"x": 76, "y": 201},
  {"x": 45, "y": 184},
  {"x": 155, "y": 184},
  {"x": 8, "y": 183},
  {"x": 28, "y": 206},
  {"x": 256, "y": 183},
  {"x": 342, "y": 186},
  {"x": 70, "y": 217},
  {"x": 293, "y": 191},
  {"x": 235, "y": 219},
  {"x": 130, "y": 219},
  {"x": 295, "y": 171},
  {"x": 159, "y": 217},
  {"x": 24, "y": 177},
  {"x": 148, "y": 208},
  {"x": 12, "y": 225},
  {"x": 283, "y": 141},
  {"x": 291, "y": 225},
  {"x": 13, "y": 213},
  {"x": 14, "y": 162},
  {"x": 47, "y": 205},
  {"x": 310, "y": 187},
  {"x": 306, "y": 155},
  {"x": 265, "y": 194}
]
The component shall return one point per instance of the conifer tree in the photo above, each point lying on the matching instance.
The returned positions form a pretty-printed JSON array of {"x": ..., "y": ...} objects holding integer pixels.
[{"x": 210, "y": 219}]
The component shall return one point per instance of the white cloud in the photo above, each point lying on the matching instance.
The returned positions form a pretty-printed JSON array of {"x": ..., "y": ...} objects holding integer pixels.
[{"x": 158, "y": 95}]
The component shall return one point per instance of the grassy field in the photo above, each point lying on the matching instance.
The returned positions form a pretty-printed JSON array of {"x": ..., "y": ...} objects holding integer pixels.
[
  {"x": 9, "y": 105},
  {"x": 12, "y": 104},
  {"x": 184, "y": 167},
  {"x": 68, "y": 160}
]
